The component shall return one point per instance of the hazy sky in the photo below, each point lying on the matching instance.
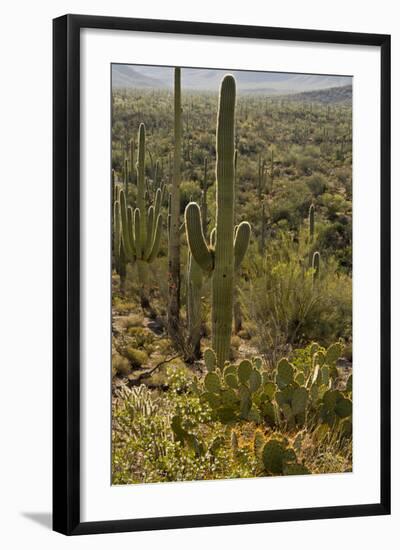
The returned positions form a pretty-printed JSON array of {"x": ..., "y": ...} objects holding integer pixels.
[{"x": 150, "y": 77}]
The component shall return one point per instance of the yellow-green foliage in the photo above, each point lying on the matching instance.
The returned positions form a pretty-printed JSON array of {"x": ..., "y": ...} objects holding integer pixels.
[
  {"x": 289, "y": 413},
  {"x": 286, "y": 308},
  {"x": 120, "y": 364}
]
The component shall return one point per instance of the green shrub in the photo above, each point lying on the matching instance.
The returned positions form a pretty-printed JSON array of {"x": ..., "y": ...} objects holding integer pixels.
[{"x": 286, "y": 308}]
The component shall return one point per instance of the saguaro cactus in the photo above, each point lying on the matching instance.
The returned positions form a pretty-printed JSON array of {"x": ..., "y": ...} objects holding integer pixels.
[
  {"x": 229, "y": 243},
  {"x": 262, "y": 177},
  {"x": 272, "y": 169},
  {"x": 174, "y": 276},
  {"x": 194, "y": 287},
  {"x": 237, "y": 309},
  {"x": 263, "y": 229},
  {"x": 195, "y": 280},
  {"x": 315, "y": 265},
  {"x": 204, "y": 213},
  {"x": 132, "y": 159},
  {"x": 141, "y": 228},
  {"x": 311, "y": 216},
  {"x": 311, "y": 235},
  {"x": 126, "y": 176},
  {"x": 118, "y": 247}
]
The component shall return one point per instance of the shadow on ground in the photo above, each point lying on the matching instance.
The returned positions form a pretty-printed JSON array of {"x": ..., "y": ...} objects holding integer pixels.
[{"x": 42, "y": 518}]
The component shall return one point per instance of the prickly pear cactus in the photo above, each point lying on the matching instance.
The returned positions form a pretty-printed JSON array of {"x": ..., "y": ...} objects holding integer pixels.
[
  {"x": 231, "y": 392},
  {"x": 279, "y": 458}
]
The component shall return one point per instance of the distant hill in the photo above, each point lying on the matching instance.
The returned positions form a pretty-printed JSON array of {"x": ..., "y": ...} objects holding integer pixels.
[
  {"x": 127, "y": 76},
  {"x": 248, "y": 82},
  {"x": 339, "y": 94}
]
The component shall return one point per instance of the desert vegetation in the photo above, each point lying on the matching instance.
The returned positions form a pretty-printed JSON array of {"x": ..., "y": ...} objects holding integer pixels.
[{"x": 231, "y": 284}]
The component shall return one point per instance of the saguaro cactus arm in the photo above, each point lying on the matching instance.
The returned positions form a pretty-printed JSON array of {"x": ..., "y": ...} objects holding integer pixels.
[
  {"x": 125, "y": 226},
  {"x": 137, "y": 230},
  {"x": 156, "y": 240},
  {"x": 151, "y": 223},
  {"x": 242, "y": 239},
  {"x": 195, "y": 237},
  {"x": 117, "y": 230},
  {"x": 131, "y": 236}
]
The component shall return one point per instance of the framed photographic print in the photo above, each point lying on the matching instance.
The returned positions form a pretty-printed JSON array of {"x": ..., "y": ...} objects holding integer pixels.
[{"x": 221, "y": 274}]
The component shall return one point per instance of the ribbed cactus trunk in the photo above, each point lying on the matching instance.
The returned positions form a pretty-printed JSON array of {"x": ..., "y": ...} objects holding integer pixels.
[
  {"x": 272, "y": 169},
  {"x": 204, "y": 209},
  {"x": 140, "y": 228},
  {"x": 311, "y": 219},
  {"x": 119, "y": 256},
  {"x": 262, "y": 232},
  {"x": 126, "y": 177},
  {"x": 311, "y": 229},
  {"x": 315, "y": 266},
  {"x": 224, "y": 259},
  {"x": 237, "y": 309},
  {"x": 227, "y": 247},
  {"x": 174, "y": 275},
  {"x": 195, "y": 281},
  {"x": 142, "y": 266},
  {"x": 132, "y": 159},
  {"x": 194, "y": 287}
]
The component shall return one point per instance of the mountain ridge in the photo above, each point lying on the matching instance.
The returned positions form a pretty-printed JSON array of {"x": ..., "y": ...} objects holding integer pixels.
[{"x": 269, "y": 83}]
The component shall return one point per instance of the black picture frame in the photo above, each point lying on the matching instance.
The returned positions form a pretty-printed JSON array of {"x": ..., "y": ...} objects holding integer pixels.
[{"x": 66, "y": 273}]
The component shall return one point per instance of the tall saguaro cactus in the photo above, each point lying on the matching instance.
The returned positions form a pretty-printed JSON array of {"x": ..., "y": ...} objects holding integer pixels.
[
  {"x": 262, "y": 178},
  {"x": 311, "y": 216},
  {"x": 174, "y": 276},
  {"x": 141, "y": 228},
  {"x": 195, "y": 281},
  {"x": 311, "y": 232},
  {"x": 229, "y": 244}
]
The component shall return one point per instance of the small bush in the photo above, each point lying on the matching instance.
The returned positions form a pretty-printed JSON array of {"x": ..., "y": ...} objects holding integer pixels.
[
  {"x": 121, "y": 364},
  {"x": 141, "y": 337},
  {"x": 134, "y": 320},
  {"x": 136, "y": 356},
  {"x": 235, "y": 342},
  {"x": 317, "y": 184}
]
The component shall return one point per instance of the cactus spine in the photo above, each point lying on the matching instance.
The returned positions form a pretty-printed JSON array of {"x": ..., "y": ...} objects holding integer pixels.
[
  {"x": 174, "y": 277},
  {"x": 141, "y": 228},
  {"x": 230, "y": 244}
]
